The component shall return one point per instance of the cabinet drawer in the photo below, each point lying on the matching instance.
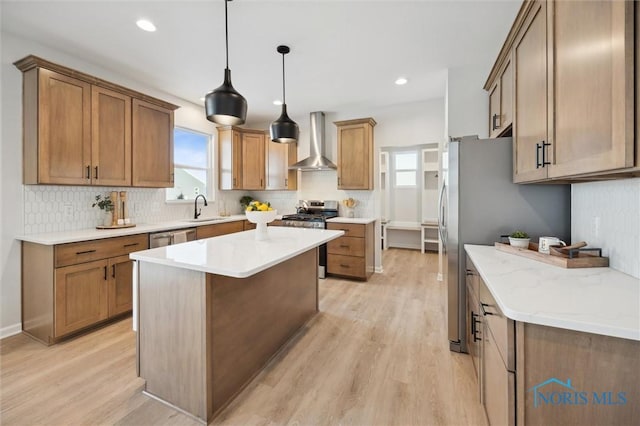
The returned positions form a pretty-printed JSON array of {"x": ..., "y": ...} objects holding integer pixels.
[
  {"x": 346, "y": 265},
  {"x": 350, "y": 246},
  {"x": 208, "y": 231},
  {"x": 501, "y": 327},
  {"x": 87, "y": 251},
  {"x": 350, "y": 229},
  {"x": 498, "y": 387}
]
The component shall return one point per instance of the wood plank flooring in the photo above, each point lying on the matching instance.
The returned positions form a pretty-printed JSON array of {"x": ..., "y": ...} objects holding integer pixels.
[{"x": 376, "y": 354}]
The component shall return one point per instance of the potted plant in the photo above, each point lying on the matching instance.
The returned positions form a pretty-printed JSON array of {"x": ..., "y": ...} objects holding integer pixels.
[
  {"x": 104, "y": 203},
  {"x": 519, "y": 239}
]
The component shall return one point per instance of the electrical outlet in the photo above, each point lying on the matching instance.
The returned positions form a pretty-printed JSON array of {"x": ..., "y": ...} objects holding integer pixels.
[{"x": 68, "y": 211}]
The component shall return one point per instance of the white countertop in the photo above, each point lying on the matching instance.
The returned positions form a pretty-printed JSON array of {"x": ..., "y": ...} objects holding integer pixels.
[
  {"x": 238, "y": 255},
  {"x": 360, "y": 220},
  {"x": 62, "y": 237},
  {"x": 594, "y": 300}
]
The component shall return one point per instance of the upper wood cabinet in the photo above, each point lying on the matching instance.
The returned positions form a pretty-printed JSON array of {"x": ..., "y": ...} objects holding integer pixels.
[
  {"x": 530, "y": 128},
  {"x": 355, "y": 153},
  {"x": 152, "y": 145},
  {"x": 81, "y": 130},
  {"x": 278, "y": 158},
  {"x": 501, "y": 102},
  {"x": 110, "y": 137},
  {"x": 241, "y": 158},
  {"x": 253, "y": 147},
  {"x": 574, "y": 70}
]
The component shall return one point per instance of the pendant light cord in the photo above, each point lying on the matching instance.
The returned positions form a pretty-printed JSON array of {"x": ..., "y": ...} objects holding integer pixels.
[
  {"x": 226, "y": 32},
  {"x": 284, "y": 97}
]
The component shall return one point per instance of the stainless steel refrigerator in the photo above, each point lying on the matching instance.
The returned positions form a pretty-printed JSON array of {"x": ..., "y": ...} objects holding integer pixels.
[{"x": 479, "y": 203}]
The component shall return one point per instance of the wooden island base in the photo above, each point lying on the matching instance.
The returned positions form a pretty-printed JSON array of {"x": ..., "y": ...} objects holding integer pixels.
[{"x": 202, "y": 337}]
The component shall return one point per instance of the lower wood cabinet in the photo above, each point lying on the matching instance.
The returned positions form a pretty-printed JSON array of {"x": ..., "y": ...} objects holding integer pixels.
[
  {"x": 352, "y": 254},
  {"x": 531, "y": 374},
  {"x": 217, "y": 229},
  {"x": 69, "y": 287}
]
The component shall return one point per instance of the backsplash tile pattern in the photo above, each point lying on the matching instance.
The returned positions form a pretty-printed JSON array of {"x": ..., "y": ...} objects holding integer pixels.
[
  {"x": 68, "y": 208},
  {"x": 607, "y": 215}
]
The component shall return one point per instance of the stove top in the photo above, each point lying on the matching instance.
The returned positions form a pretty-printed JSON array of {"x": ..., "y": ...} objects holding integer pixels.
[
  {"x": 310, "y": 217},
  {"x": 312, "y": 213}
]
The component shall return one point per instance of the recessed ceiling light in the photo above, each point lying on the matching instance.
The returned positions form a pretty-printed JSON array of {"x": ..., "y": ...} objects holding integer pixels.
[
  {"x": 400, "y": 81},
  {"x": 146, "y": 25},
  {"x": 277, "y": 102}
]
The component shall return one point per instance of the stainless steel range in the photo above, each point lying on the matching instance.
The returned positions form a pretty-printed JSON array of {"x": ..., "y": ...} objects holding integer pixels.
[{"x": 313, "y": 214}]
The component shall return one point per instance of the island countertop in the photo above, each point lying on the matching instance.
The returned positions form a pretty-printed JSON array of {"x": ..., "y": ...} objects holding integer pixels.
[
  {"x": 238, "y": 255},
  {"x": 594, "y": 300}
]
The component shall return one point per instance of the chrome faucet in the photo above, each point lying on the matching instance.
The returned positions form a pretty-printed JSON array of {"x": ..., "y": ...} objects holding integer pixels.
[{"x": 196, "y": 211}]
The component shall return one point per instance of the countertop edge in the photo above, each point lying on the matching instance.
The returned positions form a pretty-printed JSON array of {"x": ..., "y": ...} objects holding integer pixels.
[
  {"x": 356, "y": 220},
  {"x": 535, "y": 317}
]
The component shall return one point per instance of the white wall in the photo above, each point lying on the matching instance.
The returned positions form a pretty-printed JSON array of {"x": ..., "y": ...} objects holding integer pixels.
[
  {"x": 467, "y": 103},
  {"x": 32, "y": 209},
  {"x": 607, "y": 215}
]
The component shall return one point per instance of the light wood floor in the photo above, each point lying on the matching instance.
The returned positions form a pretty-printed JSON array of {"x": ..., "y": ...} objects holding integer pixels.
[{"x": 376, "y": 354}]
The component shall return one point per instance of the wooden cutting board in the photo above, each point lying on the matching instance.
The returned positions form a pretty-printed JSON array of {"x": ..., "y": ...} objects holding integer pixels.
[{"x": 582, "y": 260}]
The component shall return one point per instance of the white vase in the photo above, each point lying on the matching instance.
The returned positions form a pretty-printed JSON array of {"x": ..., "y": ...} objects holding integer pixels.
[
  {"x": 108, "y": 217},
  {"x": 261, "y": 218}
]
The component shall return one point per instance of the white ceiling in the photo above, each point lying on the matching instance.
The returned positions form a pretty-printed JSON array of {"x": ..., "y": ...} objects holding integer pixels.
[{"x": 344, "y": 54}]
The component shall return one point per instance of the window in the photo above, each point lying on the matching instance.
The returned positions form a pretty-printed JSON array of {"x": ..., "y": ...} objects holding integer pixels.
[
  {"x": 192, "y": 165},
  {"x": 406, "y": 165}
]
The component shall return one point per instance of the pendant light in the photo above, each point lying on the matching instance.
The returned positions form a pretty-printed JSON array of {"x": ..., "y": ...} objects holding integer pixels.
[
  {"x": 284, "y": 129},
  {"x": 225, "y": 105}
]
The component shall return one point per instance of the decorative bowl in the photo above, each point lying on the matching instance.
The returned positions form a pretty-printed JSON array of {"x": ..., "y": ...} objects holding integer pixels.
[
  {"x": 519, "y": 242},
  {"x": 261, "y": 218}
]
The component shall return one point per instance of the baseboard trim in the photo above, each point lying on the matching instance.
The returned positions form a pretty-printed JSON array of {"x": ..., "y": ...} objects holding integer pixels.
[
  {"x": 11, "y": 330},
  {"x": 379, "y": 270},
  {"x": 404, "y": 246}
]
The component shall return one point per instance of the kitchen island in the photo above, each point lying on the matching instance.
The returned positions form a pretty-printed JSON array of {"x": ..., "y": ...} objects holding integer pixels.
[{"x": 213, "y": 312}]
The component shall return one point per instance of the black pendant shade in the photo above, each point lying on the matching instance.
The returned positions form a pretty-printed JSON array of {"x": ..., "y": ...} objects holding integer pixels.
[
  {"x": 284, "y": 129},
  {"x": 225, "y": 105}
]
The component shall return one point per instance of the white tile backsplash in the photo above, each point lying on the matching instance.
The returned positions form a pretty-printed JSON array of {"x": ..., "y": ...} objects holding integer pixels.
[
  {"x": 607, "y": 215},
  {"x": 49, "y": 208}
]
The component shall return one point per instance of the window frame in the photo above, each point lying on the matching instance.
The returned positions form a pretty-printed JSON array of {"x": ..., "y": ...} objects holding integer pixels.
[
  {"x": 211, "y": 192},
  {"x": 415, "y": 169}
]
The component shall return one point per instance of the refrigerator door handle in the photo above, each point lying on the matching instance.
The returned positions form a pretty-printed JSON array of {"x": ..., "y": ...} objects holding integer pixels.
[{"x": 441, "y": 218}]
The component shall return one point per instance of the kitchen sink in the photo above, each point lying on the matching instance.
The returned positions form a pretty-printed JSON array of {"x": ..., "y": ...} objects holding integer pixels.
[{"x": 205, "y": 219}]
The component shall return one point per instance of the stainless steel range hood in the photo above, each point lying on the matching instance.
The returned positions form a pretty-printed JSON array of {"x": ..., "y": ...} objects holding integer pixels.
[{"x": 316, "y": 160}]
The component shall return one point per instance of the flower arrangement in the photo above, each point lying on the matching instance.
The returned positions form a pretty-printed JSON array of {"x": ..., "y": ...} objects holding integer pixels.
[
  {"x": 104, "y": 203},
  {"x": 257, "y": 206}
]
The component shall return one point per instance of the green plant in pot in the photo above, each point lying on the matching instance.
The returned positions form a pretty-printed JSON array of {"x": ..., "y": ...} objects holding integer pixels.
[
  {"x": 105, "y": 204},
  {"x": 519, "y": 239}
]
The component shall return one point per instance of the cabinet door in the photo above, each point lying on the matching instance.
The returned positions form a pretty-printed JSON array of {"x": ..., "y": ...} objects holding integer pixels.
[
  {"x": 229, "y": 158},
  {"x": 277, "y": 164},
  {"x": 152, "y": 145},
  {"x": 494, "y": 110},
  {"x": 80, "y": 296},
  {"x": 593, "y": 100},
  {"x": 253, "y": 161},
  {"x": 64, "y": 129},
  {"x": 208, "y": 231},
  {"x": 506, "y": 96},
  {"x": 110, "y": 138},
  {"x": 498, "y": 387},
  {"x": 530, "y": 128},
  {"x": 120, "y": 285},
  {"x": 355, "y": 156}
]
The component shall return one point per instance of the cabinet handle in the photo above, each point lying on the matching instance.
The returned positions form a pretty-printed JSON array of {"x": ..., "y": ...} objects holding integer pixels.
[
  {"x": 131, "y": 245},
  {"x": 538, "y": 147},
  {"x": 286, "y": 182},
  {"x": 344, "y": 266},
  {"x": 544, "y": 154},
  {"x": 234, "y": 182},
  {"x": 338, "y": 180},
  {"x": 261, "y": 186},
  {"x": 96, "y": 172},
  {"x": 469, "y": 272},
  {"x": 105, "y": 273},
  {"x": 113, "y": 271},
  {"x": 85, "y": 252},
  {"x": 494, "y": 126},
  {"x": 484, "y": 312},
  {"x": 344, "y": 245},
  {"x": 88, "y": 172},
  {"x": 474, "y": 328}
]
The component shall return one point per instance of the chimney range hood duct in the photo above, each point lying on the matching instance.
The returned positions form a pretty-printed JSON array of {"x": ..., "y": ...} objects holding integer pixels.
[{"x": 316, "y": 160}]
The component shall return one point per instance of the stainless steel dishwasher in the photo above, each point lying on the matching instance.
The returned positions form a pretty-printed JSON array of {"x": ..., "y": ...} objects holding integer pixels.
[{"x": 168, "y": 238}]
